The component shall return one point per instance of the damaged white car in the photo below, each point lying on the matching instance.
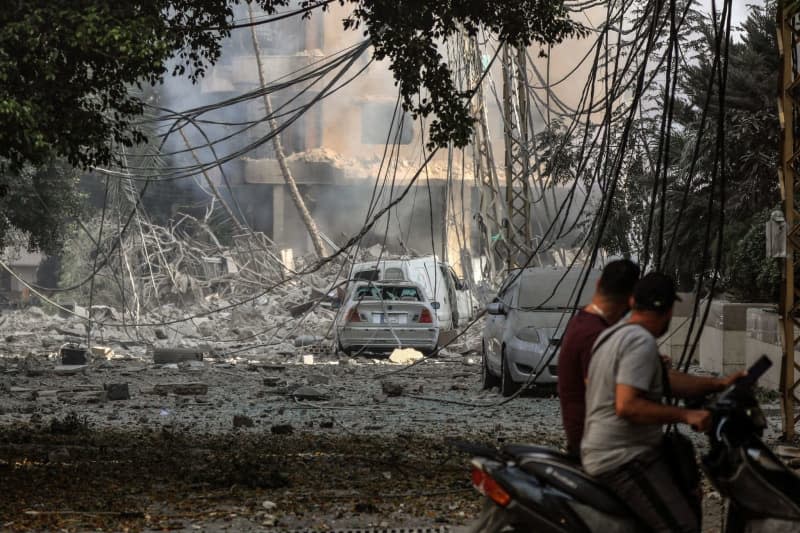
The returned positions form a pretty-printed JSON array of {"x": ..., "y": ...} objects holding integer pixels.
[{"x": 378, "y": 317}]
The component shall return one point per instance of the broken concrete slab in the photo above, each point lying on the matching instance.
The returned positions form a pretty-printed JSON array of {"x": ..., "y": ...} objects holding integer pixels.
[
  {"x": 102, "y": 351},
  {"x": 164, "y": 356},
  {"x": 69, "y": 370},
  {"x": 311, "y": 394},
  {"x": 181, "y": 389}
]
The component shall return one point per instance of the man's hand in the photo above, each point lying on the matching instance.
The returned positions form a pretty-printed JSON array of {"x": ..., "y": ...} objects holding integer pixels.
[
  {"x": 727, "y": 381},
  {"x": 698, "y": 419}
]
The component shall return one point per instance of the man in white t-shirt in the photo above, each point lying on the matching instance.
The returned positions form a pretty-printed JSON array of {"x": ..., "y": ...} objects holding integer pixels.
[{"x": 625, "y": 414}]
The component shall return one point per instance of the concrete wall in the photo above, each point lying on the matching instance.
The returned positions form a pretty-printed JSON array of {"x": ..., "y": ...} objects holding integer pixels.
[
  {"x": 673, "y": 342},
  {"x": 764, "y": 337},
  {"x": 722, "y": 344}
]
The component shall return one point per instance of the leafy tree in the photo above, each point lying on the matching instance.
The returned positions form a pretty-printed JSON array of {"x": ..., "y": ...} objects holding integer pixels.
[
  {"x": 751, "y": 155},
  {"x": 66, "y": 70},
  {"x": 42, "y": 201},
  {"x": 65, "y": 67}
]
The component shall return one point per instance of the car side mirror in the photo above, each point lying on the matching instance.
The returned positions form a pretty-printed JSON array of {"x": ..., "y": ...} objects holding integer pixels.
[
  {"x": 496, "y": 308},
  {"x": 436, "y": 305}
]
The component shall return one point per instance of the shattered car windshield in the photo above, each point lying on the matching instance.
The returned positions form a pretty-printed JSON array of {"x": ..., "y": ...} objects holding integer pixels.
[{"x": 387, "y": 292}]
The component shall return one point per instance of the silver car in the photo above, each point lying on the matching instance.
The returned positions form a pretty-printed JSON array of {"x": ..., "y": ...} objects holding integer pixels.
[
  {"x": 524, "y": 325},
  {"x": 382, "y": 316}
]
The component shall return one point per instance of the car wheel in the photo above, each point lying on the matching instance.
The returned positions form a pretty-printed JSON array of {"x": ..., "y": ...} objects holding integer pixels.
[
  {"x": 488, "y": 380},
  {"x": 507, "y": 385}
]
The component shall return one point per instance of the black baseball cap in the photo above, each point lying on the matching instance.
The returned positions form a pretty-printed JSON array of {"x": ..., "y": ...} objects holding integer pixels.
[{"x": 655, "y": 292}]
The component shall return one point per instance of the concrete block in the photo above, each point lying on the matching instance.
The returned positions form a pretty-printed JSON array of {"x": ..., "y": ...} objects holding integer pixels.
[
  {"x": 165, "y": 356},
  {"x": 73, "y": 354}
]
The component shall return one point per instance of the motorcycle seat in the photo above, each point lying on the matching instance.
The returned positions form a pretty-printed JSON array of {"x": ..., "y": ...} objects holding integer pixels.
[
  {"x": 564, "y": 473},
  {"x": 518, "y": 451}
]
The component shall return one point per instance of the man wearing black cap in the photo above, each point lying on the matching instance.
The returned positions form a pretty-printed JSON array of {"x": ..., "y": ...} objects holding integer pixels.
[{"x": 623, "y": 432}]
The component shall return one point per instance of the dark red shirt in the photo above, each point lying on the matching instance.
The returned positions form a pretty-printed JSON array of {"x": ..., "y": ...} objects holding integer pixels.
[{"x": 573, "y": 367}]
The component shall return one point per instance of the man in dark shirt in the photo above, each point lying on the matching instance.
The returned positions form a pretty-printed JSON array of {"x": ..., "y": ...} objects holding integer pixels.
[{"x": 609, "y": 304}]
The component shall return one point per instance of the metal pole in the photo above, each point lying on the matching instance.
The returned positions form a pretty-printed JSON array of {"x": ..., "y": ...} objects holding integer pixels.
[{"x": 787, "y": 107}]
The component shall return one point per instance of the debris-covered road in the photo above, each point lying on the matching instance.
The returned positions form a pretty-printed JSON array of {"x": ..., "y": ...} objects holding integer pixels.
[{"x": 285, "y": 440}]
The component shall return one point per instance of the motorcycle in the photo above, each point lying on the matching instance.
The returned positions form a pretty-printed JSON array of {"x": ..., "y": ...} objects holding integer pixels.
[{"x": 533, "y": 488}]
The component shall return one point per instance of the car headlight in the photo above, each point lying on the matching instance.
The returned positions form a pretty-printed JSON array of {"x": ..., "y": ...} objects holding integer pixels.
[{"x": 529, "y": 335}]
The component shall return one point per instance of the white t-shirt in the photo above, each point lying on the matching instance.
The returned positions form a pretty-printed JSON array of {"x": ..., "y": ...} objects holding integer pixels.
[{"x": 625, "y": 354}]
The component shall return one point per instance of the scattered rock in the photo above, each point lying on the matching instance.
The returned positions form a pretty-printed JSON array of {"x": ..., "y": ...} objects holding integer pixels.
[
  {"x": 282, "y": 429},
  {"x": 310, "y": 394},
  {"x": 242, "y": 421},
  {"x": 392, "y": 388},
  {"x": 405, "y": 356},
  {"x": 269, "y": 506}
]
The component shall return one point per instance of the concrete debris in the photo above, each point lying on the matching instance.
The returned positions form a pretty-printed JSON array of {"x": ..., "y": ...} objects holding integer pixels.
[
  {"x": 269, "y": 506},
  {"x": 163, "y": 356},
  {"x": 319, "y": 379},
  {"x": 391, "y": 388},
  {"x": 70, "y": 370},
  {"x": 73, "y": 354},
  {"x": 274, "y": 381},
  {"x": 102, "y": 351},
  {"x": 310, "y": 394},
  {"x": 405, "y": 356},
  {"x": 181, "y": 389},
  {"x": 117, "y": 391},
  {"x": 242, "y": 421},
  {"x": 308, "y": 359},
  {"x": 307, "y": 340}
]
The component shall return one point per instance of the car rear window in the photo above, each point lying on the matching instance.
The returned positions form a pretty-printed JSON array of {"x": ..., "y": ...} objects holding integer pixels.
[
  {"x": 367, "y": 275},
  {"x": 387, "y": 292}
]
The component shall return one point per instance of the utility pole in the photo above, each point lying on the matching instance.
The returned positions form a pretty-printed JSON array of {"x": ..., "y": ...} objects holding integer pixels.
[
  {"x": 517, "y": 161},
  {"x": 788, "y": 109}
]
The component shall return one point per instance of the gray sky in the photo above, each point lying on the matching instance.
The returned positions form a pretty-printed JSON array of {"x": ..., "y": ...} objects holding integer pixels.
[{"x": 740, "y": 8}]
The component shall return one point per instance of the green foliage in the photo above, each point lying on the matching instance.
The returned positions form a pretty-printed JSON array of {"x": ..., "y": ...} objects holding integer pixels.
[
  {"x": 751, "y": 275},
  {"x": 40, "y": 201},
  {"x": 409, "y": 32},
  {"x": 65, "y": 67}
]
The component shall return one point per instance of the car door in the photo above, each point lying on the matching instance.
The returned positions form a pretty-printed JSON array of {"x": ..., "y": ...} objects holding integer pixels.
[{"x": 496, "y": 325}]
